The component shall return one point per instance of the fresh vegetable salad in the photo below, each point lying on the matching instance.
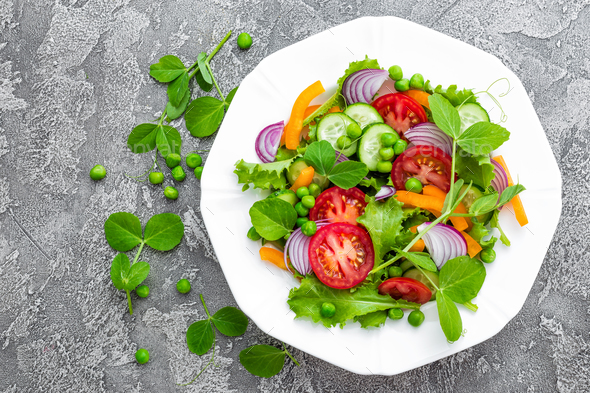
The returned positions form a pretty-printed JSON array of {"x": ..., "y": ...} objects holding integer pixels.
[{"x": 382, "y": 198}]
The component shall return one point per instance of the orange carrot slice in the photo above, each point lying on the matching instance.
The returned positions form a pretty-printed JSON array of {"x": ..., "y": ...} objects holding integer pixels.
[
  {"x": 420, "y": 96},
  {"x": 273, "y": 256},
  {"x": 516, "y": 201},
  {"x": 473, "y": 247},
  {"x": 460, "y": 223},
  {"x": 418, "y": 246},
  {"x": 304, "y": 179}
]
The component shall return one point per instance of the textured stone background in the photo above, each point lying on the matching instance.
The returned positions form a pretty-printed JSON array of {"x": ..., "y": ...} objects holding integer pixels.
[{"x": 73, "y": 82}]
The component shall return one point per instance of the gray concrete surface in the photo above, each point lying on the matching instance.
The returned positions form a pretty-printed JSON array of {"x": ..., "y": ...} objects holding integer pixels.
[{"x": 73, "y": 82}]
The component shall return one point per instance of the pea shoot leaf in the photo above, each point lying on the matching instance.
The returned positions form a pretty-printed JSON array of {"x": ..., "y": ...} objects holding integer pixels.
[
  {"x": 372, "y": 319},
  {"x": 123, "y": 231},
  {"x": 203, "y": 116},
  {"x": 168, "y": 140},
  {"x": 484, "y": 204},
  {"x": 477, "y": 169},
  {"x": 482, "y": 138},
  {"x": 230, "y": 321},
  {"x": 509, "y": 193},
  {"x": 126, "y": 276},
  {"x": 263, "y": 176},
  {"x": 273, "y": 218},
  {"x": 142, "y": 138},
  {"x": 167, "y": 69},
  {"x": 178, "y": 88},
  {"x": 201, "y": 82},
  {"x": 229, "y": 98},
  {"x": 448, "y": 314},
  {"x": 203, "y": 68},
  {"x": 421, "y": 259},
  {"x": 263, "y": 360},
  {"x": 348, "y": 174},
  {"x": 495, "y": 223},
  {"x": 445, "y": 115},
  {"x": 174, "y": 112},
  {"x": 479, "y": 231},
  {"x": 200, "y": 337},
  {"x": 164, "y": 231},
  {"x": 307, "y": 300},
  {"x": 321, "y": 156},
  {"x": 461, "y": 278}
]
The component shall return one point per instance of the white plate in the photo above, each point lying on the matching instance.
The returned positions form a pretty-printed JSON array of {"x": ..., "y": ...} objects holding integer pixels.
[{"x": 267, "y": 95}]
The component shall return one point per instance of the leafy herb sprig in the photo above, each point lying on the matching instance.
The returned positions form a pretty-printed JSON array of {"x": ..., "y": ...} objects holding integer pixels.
[{"x": 123, "y": 232}]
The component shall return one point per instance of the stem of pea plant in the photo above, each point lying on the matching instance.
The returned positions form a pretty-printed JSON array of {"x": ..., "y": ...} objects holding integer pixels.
[
  {"x": 291, "y": 356},
  {"x": 138, "y": 252},
  {"x": 210, "y": 55},
  {"x": 215, "y": 82},
  {"x": 204, "y": 306},
  {"x": 129, "y": 302},
  {"x": 208, "y": 364}
]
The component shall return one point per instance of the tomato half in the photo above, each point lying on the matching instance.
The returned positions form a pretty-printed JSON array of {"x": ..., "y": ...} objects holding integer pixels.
[
  {"x": 340, "y": 205},
  {"x": 400, "y": 111},
  {"x": 406, "y": 288},
  {"x": 341, "y": 255},
  {"x": 428, "y": 164}
]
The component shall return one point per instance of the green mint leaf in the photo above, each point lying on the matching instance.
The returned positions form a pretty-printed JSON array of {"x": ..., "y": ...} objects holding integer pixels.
[
  {"x": 263, "y": 176},
  {"x": 123, "y": 231},
  {"x": 445, "y": 115},
  {"x": 263, "y": 360},
  {"x": 136, "y": 275},
  {"x": 142, "y": 138},
  {"x": 482, "y": 138},
  {"x": 273, "y": 218},
  {"x": 421, "y": 259},
  {"x": 120, "y": 271},
  {"x": 449, "y": 317},
  {"x": 477, "y": 169},
  {"x": 348, "y": 174},
  {"x": 168, "y": 140},
  {"x": 203, "y": 116},
  {"x": 495, "y": 223},
  {"x": 461, "y": 278},
  {"x": 229, "y": 98},
  {"x": 200, "y": 337},
  {"x": 321, "y": 156},
  {"x": 230, "y": 321},
  {"x": 164, "y": 231},
  {"x": 307, "y": 300},
  {"x": 455, "y": 97},
  {"x": 484, "y": 204},
  {"x": 167, "y": 69},
  {"x": 201, "y": 82},
  {"x": 178, "y": 88},
  {"x": 203, "y": 68},
  {"x": 383, "y": 220},
  {"x": 174, "y": 112},
  {"x": 373, "y": 319},
  {"x": 509, "y": 193}
]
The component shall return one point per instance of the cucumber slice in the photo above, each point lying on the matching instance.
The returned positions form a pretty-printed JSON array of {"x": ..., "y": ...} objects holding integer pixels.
[
  {"x": 470, "y": 197},
  {"x": 295, "y": 170},
  {"x": 421, "y": 276},
  {"x": 332, "y": 127},
  {"x": 364, "y": 114},
  {"x": 470, "y": 114},
  {"x": 370, "y": 144}
]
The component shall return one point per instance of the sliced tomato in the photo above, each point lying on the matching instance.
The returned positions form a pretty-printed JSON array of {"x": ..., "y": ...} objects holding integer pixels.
[
  {"x": 406, "y": 288},
  {"x": 341, "y": 255},
  {"x": 428, "y": 164},
  {"x": 339, "y": 205},
  {"x": 400, "y": 111}
]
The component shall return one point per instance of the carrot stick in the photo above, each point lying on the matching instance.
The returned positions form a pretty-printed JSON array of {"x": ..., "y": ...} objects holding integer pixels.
[
  {"x": 273, "y": 256},
  {"x": 418, "y": 246},
  {"x": 422, "y": 201},
  {"x": 304, "y": 179},
  {"x": 460, "y": 223},
  {"x": 473, "y": 247},
  {"x": 420, "y": 96},
  {"x": 308, "y": 111},
  {"x": 516, "y": 201},
  {"x": 293, "y": 128}
]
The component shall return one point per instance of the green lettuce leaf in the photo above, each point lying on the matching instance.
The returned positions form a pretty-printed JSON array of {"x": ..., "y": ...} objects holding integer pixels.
[
  {"x": 263, "y": 176},
  {"x": 455, "y": 97},
  {"x": 477, "y": 169},
  {"x": 478, "y": 232}
]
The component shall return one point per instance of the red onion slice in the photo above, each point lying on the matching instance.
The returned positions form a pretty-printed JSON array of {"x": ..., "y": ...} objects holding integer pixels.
[
  {"x": 340, "y": 157},
  {"x": 297, "y": 249},
  {"x": 429, "y": 134},
  {"x": 385, "y": 192},
  {"x": 268, "y": 140},
  {"x": 362, "y": 85},
  {"x": 500, "y": 180},
  {"x": 443, "y": 242}
]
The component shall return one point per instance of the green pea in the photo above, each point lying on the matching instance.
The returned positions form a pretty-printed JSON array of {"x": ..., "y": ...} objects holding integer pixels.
[
  {"x": 395, "y": 72},
  {"x": 244, "y": 41},
  {"x": 142, "y": 291},
  {"x": 414, "y": 185},
  {"x": 395, "y": 313},
  {"x": 301, "y": 221},
  {"x": 308, "y": 201},
  {"x": 302, "y": 191},
  {"x": 400, "y": 146},
  {"x": 142, "y": 356},
  {"x": 98, "y": 172},
  {"x": 386, "y": 153},
  {"x": 253, "y": 235},
  {"x": 388, "y": 139},
  {"x": 417, "y": 81},
  {"x": 402, "y": 84},
  {"x": 199, "y": 172},
  {"x": 344, "y": 142},
  {"x": 354, "y": 131},
  {"x": 416, "y": 318},
  {"x": 156, "y": 177},
  {"x": 183, "y": 286},
  {"x": 395, "y": 271},
  {"x": 384, "y": 166},
  {"x": 487, "y": 255},
  {"x": 171, "y": 192},
  {"x": 328, "y": 310},
  {"x": 315, "y": 190},
  {"x": 172, "y": 160},
  {"x": 309, "y": 228},
  {"x": 193, "y": 160},
  {"x": 178, "y": 173},
  {"x": 301, "y": 210}
]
